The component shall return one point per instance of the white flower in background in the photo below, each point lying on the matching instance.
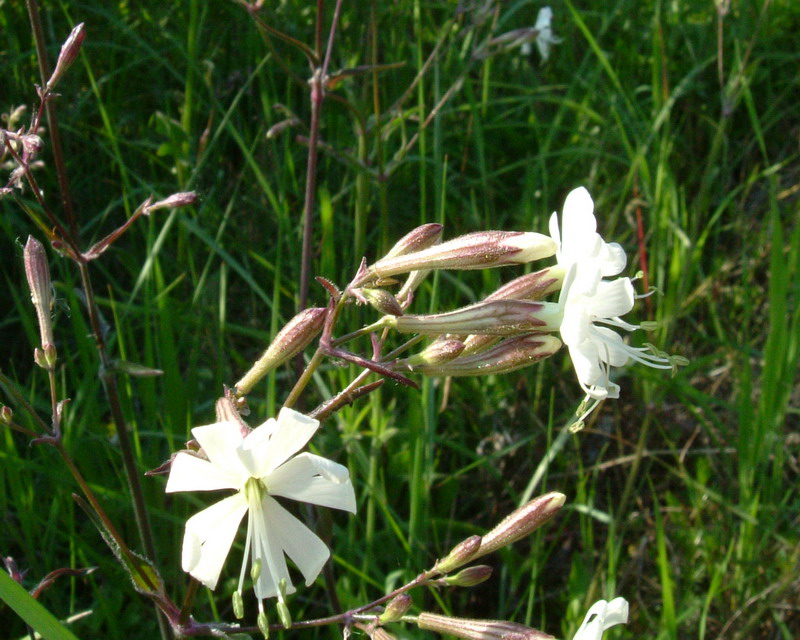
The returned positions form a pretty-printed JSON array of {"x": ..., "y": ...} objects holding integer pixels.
[
  {"x": 258, "y": 466},
  {"x": 578, "y": 241},
  {"x": 601, "y": 616},
  {"x": 544, "y": 34}
]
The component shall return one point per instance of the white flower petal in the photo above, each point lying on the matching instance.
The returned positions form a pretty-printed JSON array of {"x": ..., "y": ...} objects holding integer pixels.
[
  {"x": 305, "y": 549},
  {"x": 267, "y": 549},
  {"x": 612, "y": 299},
  {"x": 190, "y": 473},
  {"x": 220, "y": 442},
  {"x": 292, "y": 433},
  {"x": 208, "y": 538},
  {"x": 601, "y": 616},
  {"x": 310, "y": 478}
]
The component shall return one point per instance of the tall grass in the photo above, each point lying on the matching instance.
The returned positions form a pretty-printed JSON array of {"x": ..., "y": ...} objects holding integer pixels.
[{"x": 682, "y": 495}]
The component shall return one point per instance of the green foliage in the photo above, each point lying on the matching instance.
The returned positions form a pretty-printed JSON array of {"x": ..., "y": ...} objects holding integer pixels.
[{"x": 682, "y": 495}]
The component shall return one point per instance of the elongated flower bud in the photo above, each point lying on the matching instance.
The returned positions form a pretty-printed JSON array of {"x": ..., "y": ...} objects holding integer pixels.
[
  {"x": 469, "y": 577},
  {"x": 459, "y": 555},
  {"x": 383, "y": 301},
  {"x": 291, "y": 340},
  {"x": 478, "y": 629},
  {"x": 68, "y": 55},
  {"x": 37, "y": 271},
  {"x": 396, "y": 609},
  {"x": 522, "y": 522},
  {"x": 417, "y": 239},
  {"x": 531, "y": 286},
  {"x": 509, "y": 355},
  {"x": 480, "y": 250},
  {"x": 439, "y": 351},
  {"x": 495, "y": 318}
]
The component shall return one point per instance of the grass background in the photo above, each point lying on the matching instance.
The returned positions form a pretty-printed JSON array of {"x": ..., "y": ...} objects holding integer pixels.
[{"x": 682, "y": 495}]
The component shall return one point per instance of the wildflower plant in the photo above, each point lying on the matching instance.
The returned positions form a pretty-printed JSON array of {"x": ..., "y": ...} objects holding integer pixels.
[{"x": 575, "y": 296}]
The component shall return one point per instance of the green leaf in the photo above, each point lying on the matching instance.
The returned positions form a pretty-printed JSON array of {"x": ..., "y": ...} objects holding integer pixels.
[{"x": 33, "y": 613}]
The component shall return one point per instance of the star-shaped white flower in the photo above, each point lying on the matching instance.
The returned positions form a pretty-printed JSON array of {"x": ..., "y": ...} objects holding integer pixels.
[
  {"x": 544, "y": 34},
  {"x": 601, "y": 616},
  {"x": 578, "y": 241},
  {"x": 258, "y": 465},
  {"x": 590, "y": 306}
]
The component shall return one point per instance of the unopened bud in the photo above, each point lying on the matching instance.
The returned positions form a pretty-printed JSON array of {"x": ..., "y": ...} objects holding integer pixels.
[
  {"x": 6, "y": 415},
  {"x": 417, "y": 239},
  {"x": 478, "y": 629},
  {"x": 279, "y": 127},
  {"x": 459, "y": 555},
  {"x": 291, "y": 340},
  {"x": 31, "y": 145},
  {"x": 37, "y": 272},
  {"x": 509, "y": 355},
  {"x": 383, "y": 301},
  {"x": 531, "y": 286},
  {"x": 495, "y": 318},
  {"x": 69, "y": 52},
  {"x": 439, "y": 351},
  {"x": 175, "y": 201},
  {"x": 396, "y": 609},
  {"x": 522, "y": 522},
  {"x": 480, "y": 250},
  {"x": 469, "y": 577}
]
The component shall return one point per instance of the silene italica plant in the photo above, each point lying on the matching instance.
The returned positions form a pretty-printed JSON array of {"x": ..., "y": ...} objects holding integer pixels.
[{"x": 575, "y": 298}]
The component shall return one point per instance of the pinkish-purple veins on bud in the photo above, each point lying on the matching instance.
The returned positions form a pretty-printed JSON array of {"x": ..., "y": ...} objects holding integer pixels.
[
  {"x": 291, "y": 340},
  {"x": 531, "y": 286},
  {"x": 441, "y": 350},
  {"x": 422, "y": 237},
  {"x": 69, "y": 53},
  {"x": 480, "y": 250},
  {"x": 506, "y": 356},
  {"x": 382, "y": 301},
  {"x": 396, "y": 609},
  {"x": 459, "y": 555},
  {"x": 522, "y": 522},
  {"x": 37, "y": 271},
  {"x": 493, "y": 318},
  {"x": 176, "y": 200},
  {"x": 478, "y": 629}
]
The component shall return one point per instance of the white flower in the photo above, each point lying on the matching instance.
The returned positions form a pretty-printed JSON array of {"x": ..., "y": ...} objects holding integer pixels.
[
  {"x": 601, "y": 616},
  {"x": 258, "y": 465},
  {"x": 544, "y": 32},
  {"x": 578, "y": 241},
  {"x": 590, "y": 306}
]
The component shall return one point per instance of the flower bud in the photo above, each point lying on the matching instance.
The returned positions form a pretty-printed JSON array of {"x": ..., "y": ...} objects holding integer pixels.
[
  {"x": 495, "y": 318},
  {"x": 459, "y": 555},
  {"x": 531, "y": 286},
  {"x": 469, "y": 577},
  {"x": 396, "y": 609},
  {"x": 69, "y": 52},
  {"x": 175, "y": 201},
  {"x": 291, "y": 340},
  {"x": 504, "y": 357},
  {"x": 417, "y": 239},
  {"x": 6, "y": 415},
  {"x": 37, "y": 272},
  {"x": 478, "y": 629},
  {"x": 439, "y": 351},
  {"x": 522, "y": 522},
  {"x": 480, "y": 250},
  {"x": 383, "y": 301}
]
